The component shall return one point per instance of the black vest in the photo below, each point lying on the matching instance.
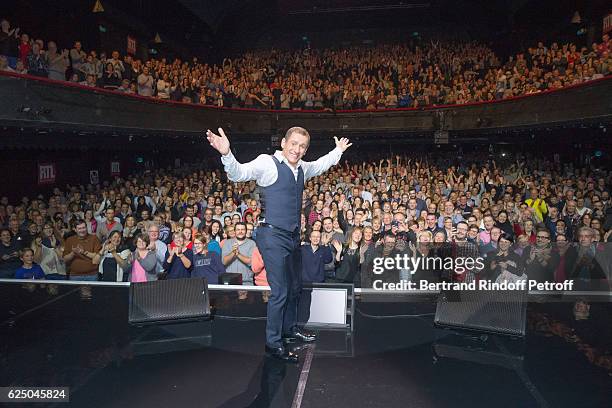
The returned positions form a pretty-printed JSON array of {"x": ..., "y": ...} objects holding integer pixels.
[{"x": 282, "y": 201}]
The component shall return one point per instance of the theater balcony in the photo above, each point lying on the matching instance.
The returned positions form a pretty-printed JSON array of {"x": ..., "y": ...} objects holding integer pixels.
[{"x": 29, "y": 102}]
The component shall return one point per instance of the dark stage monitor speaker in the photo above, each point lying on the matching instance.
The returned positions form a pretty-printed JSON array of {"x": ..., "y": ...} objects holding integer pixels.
[
  {"x": 230, "y": 278},
  {"x": 501, "y": 312},
  {"x": 166, "y": 301}
]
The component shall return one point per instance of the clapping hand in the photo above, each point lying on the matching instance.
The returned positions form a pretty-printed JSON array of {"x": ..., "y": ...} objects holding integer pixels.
[
  {"x": 342, "y": 144},
  {"x": 221, "y": 142}
]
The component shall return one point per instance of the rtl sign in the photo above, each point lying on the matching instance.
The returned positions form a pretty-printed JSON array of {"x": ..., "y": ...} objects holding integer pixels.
[
  {"x": 46, "y": 173},
  {"x": 115, "y": 169},
  {"x": 607, "y": 23},
  {"x": 131, "y": 45}
]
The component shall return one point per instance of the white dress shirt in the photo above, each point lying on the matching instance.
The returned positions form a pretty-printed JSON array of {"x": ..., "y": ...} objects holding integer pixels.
[{"x": 263, "y": 169}]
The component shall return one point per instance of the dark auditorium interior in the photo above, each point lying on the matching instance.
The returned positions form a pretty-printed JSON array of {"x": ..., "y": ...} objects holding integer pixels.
[{"x": 133, "y": 246}]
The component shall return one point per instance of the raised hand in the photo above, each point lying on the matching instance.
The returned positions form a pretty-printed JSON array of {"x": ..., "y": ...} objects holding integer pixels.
[
  {"x": 343, "y": 143},
  {"x": 220, "y": 142}
]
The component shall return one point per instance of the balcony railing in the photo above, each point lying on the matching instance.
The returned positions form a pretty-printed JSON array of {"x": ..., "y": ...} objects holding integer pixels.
[{"x": 27, "y": 101}]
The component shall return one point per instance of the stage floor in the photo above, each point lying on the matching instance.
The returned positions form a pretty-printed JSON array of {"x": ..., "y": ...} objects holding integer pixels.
[{"x": 67, "y": 336}]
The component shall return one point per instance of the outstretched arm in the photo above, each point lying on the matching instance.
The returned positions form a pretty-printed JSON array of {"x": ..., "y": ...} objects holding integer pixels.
[
  {"x": 236, "y": 171},
  {"x": 320, "y": 166}
]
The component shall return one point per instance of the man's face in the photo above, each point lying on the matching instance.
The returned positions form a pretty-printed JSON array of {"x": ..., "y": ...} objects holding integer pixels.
[
  {"x": 315, "y": 237},
  {"x": 389, "y": 242},
  {"x": 5, "y": 237},
  {"x": 586, "y": 238},
  {"x": 542, "y": 239},
  {"x": 495, "y": 234},
  {"x": 81, "y": 230},
  {"x": 412, "y": 204},
  {"x": 488, "y": 222},
  {"x": 294, "y": 147},
  {"x": 328, "y": 225},
  {"x": 13, "y": 224},
  {"x": 110, "y": 215},
  {"x": 189, "y": 211},
  {"x": 462, "y": 230},
  {"x": 240, "y": 232},
  {"x": 448, "y": 207},
  {"x": 145, "y": 215},
  {"x": 153, "y": 233},
  {"x": 431, "y": 221}
]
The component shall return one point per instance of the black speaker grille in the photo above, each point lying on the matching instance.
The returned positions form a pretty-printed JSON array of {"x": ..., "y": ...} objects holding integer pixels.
[
  {"x": 174, "y": 299},
  {"x": 491, "y": 311}
]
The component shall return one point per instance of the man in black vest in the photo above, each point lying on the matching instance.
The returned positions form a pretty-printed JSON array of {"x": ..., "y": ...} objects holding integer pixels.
[{"x": 281, "y": 177}]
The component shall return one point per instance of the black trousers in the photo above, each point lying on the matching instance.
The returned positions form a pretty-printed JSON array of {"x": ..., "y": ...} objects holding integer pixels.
[
  {"x": 282, "y": 258},
  {"x": 304, "y": 305}
]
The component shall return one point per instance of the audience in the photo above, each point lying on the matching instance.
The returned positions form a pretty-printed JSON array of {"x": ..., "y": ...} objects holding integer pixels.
[
  {"x": 376, "y": 77},
  {"x": 533, "y": 216},
  {"x": 528, "y": 216}
]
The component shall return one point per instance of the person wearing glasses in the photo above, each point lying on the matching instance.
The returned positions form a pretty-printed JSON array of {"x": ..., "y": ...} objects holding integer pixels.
[
  {"x": 540, "y": 260},
  {"x": 206, "y": 264}
]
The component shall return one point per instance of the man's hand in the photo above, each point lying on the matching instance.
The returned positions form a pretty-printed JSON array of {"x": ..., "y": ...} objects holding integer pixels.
[
  {"x": 221, "y": 143},
  {"x": 343, "y": 143}
]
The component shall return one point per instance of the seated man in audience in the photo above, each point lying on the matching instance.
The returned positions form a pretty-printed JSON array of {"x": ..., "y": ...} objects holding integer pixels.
[
  {"x": 237, "y": 252},
  {"x": 79, "y": 251}
]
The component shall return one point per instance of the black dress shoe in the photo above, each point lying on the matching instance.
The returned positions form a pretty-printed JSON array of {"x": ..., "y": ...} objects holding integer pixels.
[
  {"x": 299, "y": 336},
  {"x": 282, "y": 354}
]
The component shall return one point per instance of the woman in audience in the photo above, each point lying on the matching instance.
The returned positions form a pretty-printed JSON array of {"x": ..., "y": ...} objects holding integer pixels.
[
  {"x": 216, "y": 231},
  {"x": 144, "y": 261},
  {"x": 130, "y": 231},
  {"x": 188, "y": 237},
  {"x": 92, "y": 223},
  {"x": 113, "y": 259},
  {"x": 505, "y": 265},
  {"x": 110, "y": 78},
  {"x": 179, "y": 258},
  {"x": 48, "y": 253},
  {"x": 347, "y": 257}
]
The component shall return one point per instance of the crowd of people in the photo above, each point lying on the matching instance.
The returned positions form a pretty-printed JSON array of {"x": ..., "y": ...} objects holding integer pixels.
[
  {"x": 529, "y": 217},
  {"x": 377, "y": 77}
]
